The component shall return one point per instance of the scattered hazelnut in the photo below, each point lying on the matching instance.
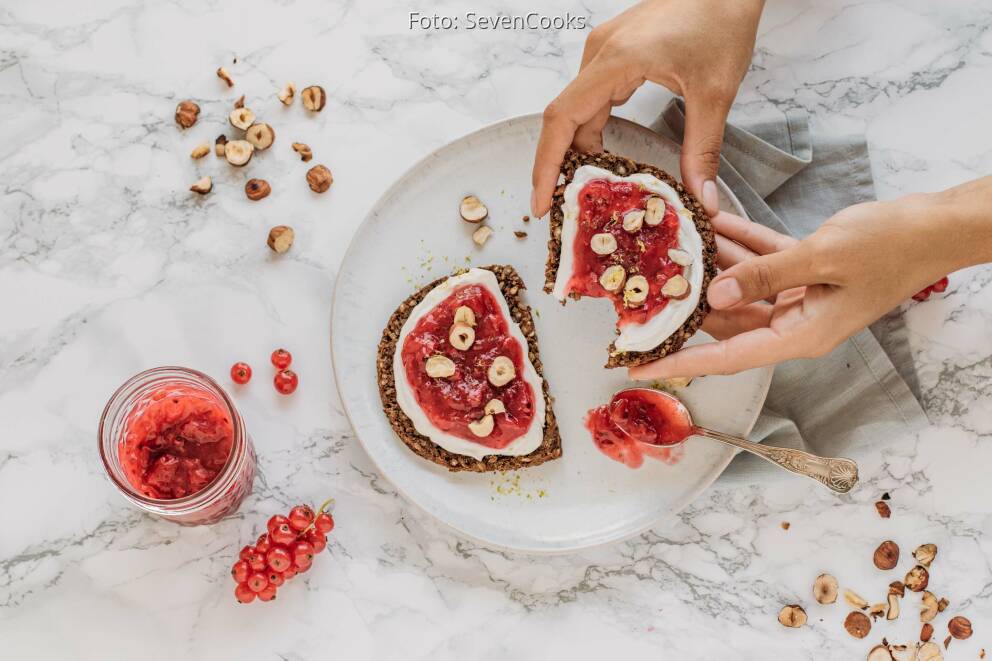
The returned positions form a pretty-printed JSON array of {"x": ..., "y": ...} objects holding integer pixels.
[
  {"x": 472, "y": 210},
  {"x": 854, "y": 600},
  {"x": 633, "y": 220},
  {"x": 319, "y": 178},
  {"x": 879, "y": 653},
  {"x": 481, "y": 235},
  {"x": 785, "y": 525},
  {"x": 482, "y": 427},
  {"x": 526, "y": 219},
  {"x": 464, "y": 315},
  {"x": 461, "y": 337},
  {"x": 635, "y": 292},
  {"x": 612, "y": 278},
  {"x": 959, "y": 627},
  {"x": 942, "y": 604},
  {"x": 883, "y": 509},
  {"x": 256, "y": 189},
  {"x": 225, "y": 76},
  {"x": 439, "y": 366},
  {"x": 917, "y": 578},
  {"x": 926, "y": 632},
  {"x": 897, "y": 588},
  {"x": 679, "y": 256},
  {"x": 930, "y": 607},
  {"x": 281, "y": 238},
  {"x": 792, "y": 616},
  {"x": 494, "y": 406},
  {"x": 260, "y": 135},
  {"x": 314, "y": 98},
  {"x": 676, "y": 287},
  {"x": 857, "y": 624},
  {"x": 200, "y": 151},
  {"x": 238, "y": 152},
  {"x": 825, "y": 589},
  {"x": 240, "y": 103},
  {"x": 887, "y": 555},
  {"x": 893, "y": 611},
  {"x": 947, "y": 642},
  {"x": 501, "y": 371},
  {"x": 654, "y": 211},
  {"x": 519, "y": 234},
  {"x": 287, "y": 93},
  {"x": 203, "y": 186},
  {"x": 925, "y": 554},
  {"x": 219, "y": 144},
  {"x": 877, "y": 610},
  {"x": 186, "y": 114},
  {"x": 902, "y": 652},
  {"x": 241, "y": 118},
  {"x": 603, "y": 243},
  {"x": 929, "y": 651},
  {"x": 303, "y": 150}
]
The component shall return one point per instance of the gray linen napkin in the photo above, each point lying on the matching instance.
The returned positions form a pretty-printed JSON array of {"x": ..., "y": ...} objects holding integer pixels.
[{"x": 862, "y": 392}]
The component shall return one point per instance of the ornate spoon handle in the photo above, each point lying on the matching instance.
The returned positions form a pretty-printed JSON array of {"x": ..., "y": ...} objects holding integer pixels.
[{"x": 838, "y": 474}]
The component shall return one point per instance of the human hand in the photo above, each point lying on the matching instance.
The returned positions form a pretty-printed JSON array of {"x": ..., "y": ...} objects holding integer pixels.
[
  {"x": 699, "y": 49},
  {"x": 778, "y": 298}
]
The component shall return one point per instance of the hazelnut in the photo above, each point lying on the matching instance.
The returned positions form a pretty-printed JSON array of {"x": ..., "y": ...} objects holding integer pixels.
[
  {"x": 877, "y": 610},
  {"x": 785, "y": 525},
  {"x": 494, "y": 407},
  {"x": 219, "y": 145},
  {"x": 260, "y": 135},
  {"x": 929, "y": 651},
  {"x": 464, "y": 315},
  {"x": 314, "y": 98},
  {"x": 930, "y": 607},
  {"x": 603, "y": 243},
  {"x": 481, "y": 235},
  {"x": 461, "y": 337},
  {"x": 654, "y": 211},
  {"x": 926, "y": 632},
  {"x": 501, "y": 371},
  {"x": 925, "y": 554},
  {"x": 942, "y": 604},
  {"x": 887, "y": 555},
  {"x": 238, "y": 152},
  {"x": 482, "y": 427},
  {"x": 947, "y": 642},
  {"x": 519, "y": 234},
  {"x": 287, "y": 93},
  {"x": 854, "y": 600},
  {"x": 225, "y": 76},
  {"x": 281, "y": 238},
  {"x": 883, "y": 509},
  {"x": 893, "y": 611},
  {"x": 917, "y": 578},
  {"x": 319, "y": 178},
  {"x": 200, "y": 151},
  {"x": 879, "y": 653},
  {"x": 612, "y": 278},
  {"x": 959, "y": 627},
  {"x": 240, "y": 103},
  {"x": 186, "y": 114},
  {"x": 241, "y": 118},
  {"x": 857, "y": 624},
  {"x": 635, "y": 292},
  {"x": 439, "y": 366},
  {"x": 303, "y": 150},
  {"x": 902, "y": 652},
  {"x": 792, "y": 616},
  {"x": 679, "y": 256},
  {"x": 203, "y": 186},
  {"x": 825, "y": 589},
  {"x": 676, "y": 288},
  {"x": 633, "y": 220},
  {"x": 256, "y": 189},
  {"x": 897, "y": 588},
  {"x": 472, "y": 210}
]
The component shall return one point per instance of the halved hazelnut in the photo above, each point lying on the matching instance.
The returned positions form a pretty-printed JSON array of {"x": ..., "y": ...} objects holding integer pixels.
[
  {"x": 200, "y": 151},
  {"x": 202, "y": 186},
  {"x": 440, "y": 367},
  {"x": 886, "y": 555},
  {"x": 464, "y": 315},
  {"x": 929, "y": 651},
  {"x": 854, "y": 600},
  {"x": 897, "y": 588},
  {"x": 676, "y": 287},
  {"x": 635, "y": 292},
  {"x": 225, "y": 76},
  {"x": 633, "y": 220},
  {"x": 959, "y": 627},
  {"x": 613, "y": 277},
  {"x": 792, "y": 616},
  {"x": 893, "y": 611},
  {"x": 494, "y": 407},
  {"x": 260, "y": 135},
  {"x": 238, "y": 152},
  {"x": 219, "y": 144},
  {"x": 857, "y": 624},
  {"x": 654, "y": 211},
  {"x": 925, "y": 554},
  {"x": 241, "y": 118},
  {"x": 461, "y": 336},
  {"x": 930, "y": 607},
  {"x": 303, "y": 150},
  {"x": 883, "y": 509},
  {"x": 876, "y": 610},
  {"x": 902, "y": 652},
  {"x": 187, "y": 113},
  {"x": 825, "y": 589},
  {"x": 879, "y": 653},
  {"x": 603, "y": 243},
  {"x": 481, "y": 235},
  {"x": 472, "y": 210},
  {"x": 926, "y": 632},
  {"x": 314, "y": 98},
  {"x": 319, "y": 178},
  {"x": 917, "y": 578},
  {"x": 679, "y": 256},
  {"x": 501, "y": 371},
  {"x": 240, "y": 103},
  {"x": 287, "y": 93},
  {"x": 256, "y": 189},
  {"x": 281, "y": 238},
  {"x": 483, "y": 426}
]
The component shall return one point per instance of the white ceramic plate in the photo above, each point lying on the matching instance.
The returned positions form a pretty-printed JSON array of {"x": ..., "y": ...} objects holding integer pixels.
[{"x": 414, "y": 235}]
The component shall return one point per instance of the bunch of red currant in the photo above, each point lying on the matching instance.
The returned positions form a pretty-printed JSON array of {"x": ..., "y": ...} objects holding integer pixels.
[
  {"x": 940, "y": 286},
  {"x": 285, "y": 380},
  {"x": 287, "y": 549}
]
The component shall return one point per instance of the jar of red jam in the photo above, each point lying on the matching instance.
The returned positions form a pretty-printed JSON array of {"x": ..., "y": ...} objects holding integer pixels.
[{"x": 175, "y": 445}]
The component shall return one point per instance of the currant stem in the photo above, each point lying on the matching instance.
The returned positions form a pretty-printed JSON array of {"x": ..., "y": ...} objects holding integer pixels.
[{"x": 313, "y": 524}]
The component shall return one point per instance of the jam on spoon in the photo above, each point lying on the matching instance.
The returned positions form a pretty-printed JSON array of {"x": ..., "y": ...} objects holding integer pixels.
[{"x": 638, "y": 421}]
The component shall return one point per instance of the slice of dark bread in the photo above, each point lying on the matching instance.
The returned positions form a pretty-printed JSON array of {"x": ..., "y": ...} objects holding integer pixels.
[
  {"x": 510, "y": 284},
  {"x": 625, "y": 167}
]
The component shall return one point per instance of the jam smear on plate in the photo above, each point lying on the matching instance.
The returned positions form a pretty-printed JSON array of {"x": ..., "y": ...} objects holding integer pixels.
[{"x": 634, "y": 425}]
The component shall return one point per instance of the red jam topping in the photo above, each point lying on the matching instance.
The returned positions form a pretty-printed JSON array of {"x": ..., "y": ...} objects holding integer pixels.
[
  {"x": 635, "y": 424},
  {"x": 602, "y": 205},
  {"x": 453, "y": 402},
  {"x": 176, "y": 441}
]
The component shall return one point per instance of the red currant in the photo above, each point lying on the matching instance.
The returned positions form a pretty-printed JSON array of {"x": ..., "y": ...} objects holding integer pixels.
[
  {"x": 281, "y": 358},
  {"x": 289, "y": 573},
  {"x": 276, "y": 579},
  {"x": 240, "y": 571},
  {"x": 300, "y": 517},
  {"x": 324, "y": 522},
  {"x": 257, "y": 582},
  {"x": 282, "y": 533},
  {"x": 922, "y": 295},
  {"x": 244, "y": 594},
  {"x": 940, "y": 286},
  {"x": 302, "y": 554},
  {"x": 241, "y": 373},
  {"x": 246, "y": 553},
  {"x": 268, "y": 594},
  {"x": 286, "y": 382},
  {"x": 317, "y": 539},
  {"x": 256, "y": 561},
  {"x": 279, "y": 559},
  {"x": 263, "y": 544}
]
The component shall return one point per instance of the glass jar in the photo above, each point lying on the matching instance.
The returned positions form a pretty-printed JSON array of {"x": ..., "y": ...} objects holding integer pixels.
[{"x": 129, "y": 428}]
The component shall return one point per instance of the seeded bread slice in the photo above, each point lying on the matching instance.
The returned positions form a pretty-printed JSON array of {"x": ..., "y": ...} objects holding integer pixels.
[
  {"x": 510, "y": 284},
  {"x": 625, "y": 167}
]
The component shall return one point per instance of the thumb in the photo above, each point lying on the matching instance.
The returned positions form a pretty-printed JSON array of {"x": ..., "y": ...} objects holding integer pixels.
[
  {"x": 762, "y": 277},
  {"x": 704, "y": 121}
]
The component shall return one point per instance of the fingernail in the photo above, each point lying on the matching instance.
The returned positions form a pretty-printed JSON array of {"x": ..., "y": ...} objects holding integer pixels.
[
  {"x": 711, "y": 198},
  {"x": 533, "y": 203},
  {"x": 724, "y": 293}
]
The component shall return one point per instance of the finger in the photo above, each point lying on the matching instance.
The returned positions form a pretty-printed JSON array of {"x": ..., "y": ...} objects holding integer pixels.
[
  {"x": 755, "y": 348},
  {"x": 729, "y": 253},
  {"x": 704, "y": 121},
  {"x": 762, "y": 277},
  {"x": 757, "y": 237},
  {"x": 723, "y": 324},
  {"x": 589, "y": 136}
]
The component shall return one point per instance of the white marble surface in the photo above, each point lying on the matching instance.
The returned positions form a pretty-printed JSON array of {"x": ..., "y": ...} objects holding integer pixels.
[{"x": 108, "y": 266}]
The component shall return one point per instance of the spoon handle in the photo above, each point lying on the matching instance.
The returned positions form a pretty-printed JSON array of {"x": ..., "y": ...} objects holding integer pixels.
[{"x": 838, "y": 474}]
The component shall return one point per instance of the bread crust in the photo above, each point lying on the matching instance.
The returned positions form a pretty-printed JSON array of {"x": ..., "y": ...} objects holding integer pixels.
[{"x": 510, "y": 285}]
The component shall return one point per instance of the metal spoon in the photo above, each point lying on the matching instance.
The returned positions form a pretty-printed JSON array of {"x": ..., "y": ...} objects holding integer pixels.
[{"x": 838, "y": 474}]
